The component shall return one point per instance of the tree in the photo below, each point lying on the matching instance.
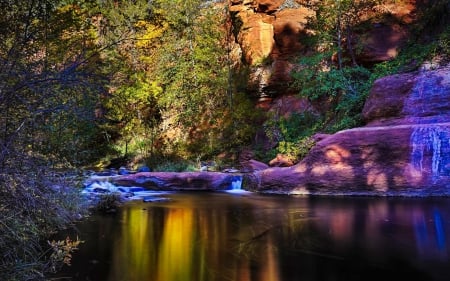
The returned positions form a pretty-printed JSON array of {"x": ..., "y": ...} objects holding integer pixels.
[
  {"x": 48, "y": 79},
  {"x": 48, "y": 93},
  {"x": 129, "y": 36},
  {"x": 193, "y": 71},
  {"x": 335, "y": 22}
]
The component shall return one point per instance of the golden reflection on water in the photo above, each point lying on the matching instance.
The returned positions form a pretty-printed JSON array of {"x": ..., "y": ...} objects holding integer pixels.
[
  {"x": 131, "y": 259},
  {"x": 191, "y": 244},
  {"x": 176, "y": 249}
]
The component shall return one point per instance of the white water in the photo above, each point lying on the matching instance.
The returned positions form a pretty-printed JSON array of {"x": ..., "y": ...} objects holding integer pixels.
[
  {"x": 98, "y": 188},
  {"x": 236, "y": 186},
  {"x": 430, "y": 145}
]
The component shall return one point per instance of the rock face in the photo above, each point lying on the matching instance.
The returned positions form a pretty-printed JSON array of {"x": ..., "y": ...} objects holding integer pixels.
[
  {"x": 179, "y": 181},
  {"x": 268, "y": 33},
  {"x": 271, "y": 33},
  {"x": 403, "y": 150}
]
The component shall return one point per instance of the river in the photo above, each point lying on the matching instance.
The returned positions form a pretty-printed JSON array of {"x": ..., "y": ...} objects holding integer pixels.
[{"x": 209, "y": 236}]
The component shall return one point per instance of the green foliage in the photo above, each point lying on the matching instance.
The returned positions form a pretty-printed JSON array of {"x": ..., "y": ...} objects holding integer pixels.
[
  {"x": 134, "y": 107},
  {"x": 335, "y": 22},
  {"x": 176, "y": 166},
  {"x": 49, "y": 85},
  {"x": 342, "y": 91},
  {"x": 202, "y": 113},
  {"x": 434, "y": 17},
  {"x": 443, "y": 45},
  {"x": 292, "y": 134}
]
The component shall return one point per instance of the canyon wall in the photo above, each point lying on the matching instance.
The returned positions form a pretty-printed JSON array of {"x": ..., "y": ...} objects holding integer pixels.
[{"x": 271, "y": 35}]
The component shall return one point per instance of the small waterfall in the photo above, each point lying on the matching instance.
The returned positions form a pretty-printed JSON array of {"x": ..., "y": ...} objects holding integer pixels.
[
  {"x": 431, "y": 150},
  {"x": 236, "y": 183},
  {"x": 104, "y": 185}
]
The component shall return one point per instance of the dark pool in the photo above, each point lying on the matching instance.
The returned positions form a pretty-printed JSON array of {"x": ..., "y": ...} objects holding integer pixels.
[{"x": 248, "y": 237}]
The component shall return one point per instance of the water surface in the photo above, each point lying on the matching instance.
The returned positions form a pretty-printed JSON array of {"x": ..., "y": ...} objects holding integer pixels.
[{"x": 247, "y": 237}]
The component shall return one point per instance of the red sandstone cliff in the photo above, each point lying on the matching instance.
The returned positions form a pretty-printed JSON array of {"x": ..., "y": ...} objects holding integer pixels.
[{"x": 270, "y": 32}]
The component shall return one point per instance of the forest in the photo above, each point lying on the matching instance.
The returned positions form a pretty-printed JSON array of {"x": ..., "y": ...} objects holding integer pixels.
[{"x": 85, "y": 84}]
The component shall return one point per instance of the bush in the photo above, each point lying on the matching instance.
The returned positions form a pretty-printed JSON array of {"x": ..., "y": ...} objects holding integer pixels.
[
  {"x": 107, "y": 203},
  {"x": 35, "y": 202},
  {"x": 292, "y": 134},
  {"x": 179, "y": 166}
]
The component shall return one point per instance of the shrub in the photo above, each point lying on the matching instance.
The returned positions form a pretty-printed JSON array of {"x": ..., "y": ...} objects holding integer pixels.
[
  {"x": 107, "y": 203},
  {"x": 35, "y": 202}
]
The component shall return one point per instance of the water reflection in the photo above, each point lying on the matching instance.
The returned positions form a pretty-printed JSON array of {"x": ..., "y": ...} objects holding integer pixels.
[{"x": 218, "y": 236}]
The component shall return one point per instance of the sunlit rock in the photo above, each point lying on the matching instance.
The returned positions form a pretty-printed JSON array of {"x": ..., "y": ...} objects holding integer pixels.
[
  {"x": 268, "y": 33},
  {"x": 256, "y": 38},
  {"x": 281, "y": 160}
]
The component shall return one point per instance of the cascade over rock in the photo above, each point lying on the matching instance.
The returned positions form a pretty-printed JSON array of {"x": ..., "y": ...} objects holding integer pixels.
[{"x": 403, "y": 150}]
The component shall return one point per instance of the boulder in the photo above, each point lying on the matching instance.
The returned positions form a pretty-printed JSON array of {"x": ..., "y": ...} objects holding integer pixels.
[
  {"x": 253, "y": 165},
  {"x": 178, "y": 181},
  {"x": 144, "y": 168},
  {"x": 420, "y": 97},
  {"x": 281, "y": 160},
  {"x": 403, "y": 150},
  {"x": 391, "y": 160}
]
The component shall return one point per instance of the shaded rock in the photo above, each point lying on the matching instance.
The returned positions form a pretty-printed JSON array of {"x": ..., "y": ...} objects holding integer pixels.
[
  {"x": 178, "y": 181},
  {"x": 286, "y": 105},
  {"x": 144, "y": 169},
  {"x": 387, "y": 97},
  {"x": 289, "y": 26},
  {"x": 268, "y": 6},
  {"x": 106, "y": 173},
  {"x": 419, "y": 97},
  {"x": 253, "y": 165},
  {"x": 382, "y": 43},
  {"x": 319, "y": 136}
]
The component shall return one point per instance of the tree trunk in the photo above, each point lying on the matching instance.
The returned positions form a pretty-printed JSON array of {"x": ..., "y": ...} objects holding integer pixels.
[{"x": 350, "y": 46}]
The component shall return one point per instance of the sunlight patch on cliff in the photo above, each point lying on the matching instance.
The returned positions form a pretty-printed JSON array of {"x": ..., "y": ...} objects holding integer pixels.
[{"x": 377, "y": 179}]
